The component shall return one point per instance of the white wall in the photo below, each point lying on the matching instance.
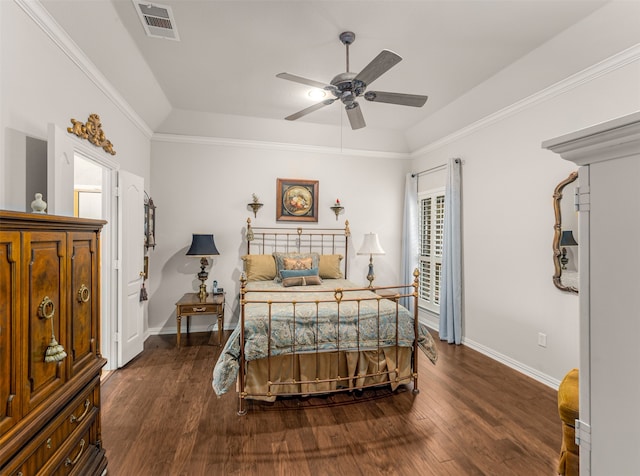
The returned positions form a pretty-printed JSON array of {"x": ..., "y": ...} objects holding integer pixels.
[
  {"x": 205, "y": 188},
  {"x": 508, "y": 183},
  {"x": 608, "y": 31},
  {"x": 47, "y": 79},
  {"x": 41, "y": 85}
]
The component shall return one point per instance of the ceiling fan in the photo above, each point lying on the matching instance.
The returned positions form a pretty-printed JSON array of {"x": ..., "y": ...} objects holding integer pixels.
[{"x": 348, "y": 86}]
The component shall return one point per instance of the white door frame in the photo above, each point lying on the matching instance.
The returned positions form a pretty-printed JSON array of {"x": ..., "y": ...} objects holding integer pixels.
[{"x": 109, "y": 252}]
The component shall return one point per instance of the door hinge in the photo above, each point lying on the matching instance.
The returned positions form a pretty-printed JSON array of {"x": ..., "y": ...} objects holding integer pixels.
[
  {"x": 116, "y": 191},
  {"x": 583, "y": 435},
  {"x": 116, "y": 337},
  {"x": 116, "y": 264},
  {"x": 582, "y": 198}
]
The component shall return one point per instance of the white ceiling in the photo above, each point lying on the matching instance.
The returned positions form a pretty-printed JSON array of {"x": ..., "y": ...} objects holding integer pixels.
[{"x": 230, "y": 51}]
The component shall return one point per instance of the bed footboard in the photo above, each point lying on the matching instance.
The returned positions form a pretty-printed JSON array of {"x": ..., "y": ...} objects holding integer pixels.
[{"x": 343, "y": 339}]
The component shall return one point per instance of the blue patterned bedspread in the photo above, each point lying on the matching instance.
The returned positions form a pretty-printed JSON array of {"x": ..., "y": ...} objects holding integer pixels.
[{"x": 316, "y": 325}]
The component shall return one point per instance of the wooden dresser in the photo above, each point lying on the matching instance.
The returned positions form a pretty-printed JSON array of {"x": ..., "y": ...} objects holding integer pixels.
[{"x": 50, "y": 293}]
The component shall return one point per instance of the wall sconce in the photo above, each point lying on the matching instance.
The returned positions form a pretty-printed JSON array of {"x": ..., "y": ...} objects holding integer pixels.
[
  {"x": 371, "y": 246},
  {"x": 203, "y": 246},
  {"x": 566, "y": 239},
  {"x": 255, "y": 205},
  {"x": 337, "y": 208}
]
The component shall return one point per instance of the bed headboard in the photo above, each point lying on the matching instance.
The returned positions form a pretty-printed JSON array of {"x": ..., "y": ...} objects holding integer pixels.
[{"x": 324, "y": 241}]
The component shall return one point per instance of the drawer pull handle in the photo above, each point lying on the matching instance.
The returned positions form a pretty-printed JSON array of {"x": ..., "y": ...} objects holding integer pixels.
[
  {"x": 69, "y": 461},
  {"x": 199, "y": 309},
  {"x": 47, "y": 308},
  {"x": 49, "y": 443},
  {"x": 75, "y": 419},
  {"x": 83, "y": 294}
]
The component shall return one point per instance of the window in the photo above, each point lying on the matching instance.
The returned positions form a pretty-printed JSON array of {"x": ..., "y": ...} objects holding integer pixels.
[{"x": 431, "y": 209}]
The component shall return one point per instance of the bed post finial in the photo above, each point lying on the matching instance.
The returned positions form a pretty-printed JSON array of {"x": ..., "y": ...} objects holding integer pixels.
[
  {"x": 243, "y": 284},
  {"x": 347, "y": 231},
  {"x": 249, "y": 230}
]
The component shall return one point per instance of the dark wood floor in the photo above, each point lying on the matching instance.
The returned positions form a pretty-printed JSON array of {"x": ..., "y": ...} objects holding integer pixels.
[{"x": 472, "y": 416}]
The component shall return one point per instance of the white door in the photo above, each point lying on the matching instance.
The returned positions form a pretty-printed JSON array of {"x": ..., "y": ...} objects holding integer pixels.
[
  {"x": 60, "y": 156},
  {"x": 131, "y": 253}
]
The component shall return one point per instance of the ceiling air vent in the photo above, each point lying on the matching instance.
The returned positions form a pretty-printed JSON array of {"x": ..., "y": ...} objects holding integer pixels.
[{"x": 157, "y": 20}]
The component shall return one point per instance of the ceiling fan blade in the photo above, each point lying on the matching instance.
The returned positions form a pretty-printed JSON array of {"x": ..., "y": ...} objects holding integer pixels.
[
  {"x": 378, "y": 66},
  {"x": 414, "y": 100},
  {"x": 307, "y": 81},
  {"x": 354, "y": 113},
  {"x": 309, "y": 109}
]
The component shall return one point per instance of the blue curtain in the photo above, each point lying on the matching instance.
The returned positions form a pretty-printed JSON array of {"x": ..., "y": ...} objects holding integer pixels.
[
  {"x": 410, "y": 225},
  {"x": 451, "y": 282}
]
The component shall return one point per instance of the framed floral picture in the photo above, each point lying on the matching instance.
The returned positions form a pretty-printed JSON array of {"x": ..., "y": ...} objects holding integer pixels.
[{"x": 296, "y": 200}]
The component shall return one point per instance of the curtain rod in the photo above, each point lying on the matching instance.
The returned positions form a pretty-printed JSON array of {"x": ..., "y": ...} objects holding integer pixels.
[{"x": 432, "y": 169}]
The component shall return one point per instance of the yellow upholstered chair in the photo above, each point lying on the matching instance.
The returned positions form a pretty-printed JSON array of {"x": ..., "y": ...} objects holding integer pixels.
[{"x": 568, "y": 410}]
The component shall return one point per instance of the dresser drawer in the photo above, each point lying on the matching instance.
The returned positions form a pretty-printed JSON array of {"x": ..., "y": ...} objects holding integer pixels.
[
  {"x": 204, "y": 308},
  {"x": 74, "y": 456},
  {"x": 78, "y": 418}
]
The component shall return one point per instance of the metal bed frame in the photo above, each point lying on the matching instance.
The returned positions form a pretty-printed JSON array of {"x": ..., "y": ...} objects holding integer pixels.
[{"x": 265, "y": 240}]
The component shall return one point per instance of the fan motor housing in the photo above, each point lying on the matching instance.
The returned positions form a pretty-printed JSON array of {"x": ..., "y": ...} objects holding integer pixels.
[{"x": 346, "y": 88}]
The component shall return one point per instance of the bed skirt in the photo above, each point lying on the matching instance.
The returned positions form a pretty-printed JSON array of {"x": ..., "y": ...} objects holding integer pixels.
[{"x": 305, "y": 374}]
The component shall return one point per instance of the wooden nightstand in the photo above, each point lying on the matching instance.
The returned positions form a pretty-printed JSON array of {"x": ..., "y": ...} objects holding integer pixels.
[{"x": 190, "y": 305}]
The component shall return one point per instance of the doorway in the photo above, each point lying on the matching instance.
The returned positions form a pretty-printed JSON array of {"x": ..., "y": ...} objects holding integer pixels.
[{"x": 94, "y": 198}]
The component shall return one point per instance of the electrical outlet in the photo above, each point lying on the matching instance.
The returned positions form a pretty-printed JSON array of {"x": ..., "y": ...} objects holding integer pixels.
[{"x": 542, "y": 339}]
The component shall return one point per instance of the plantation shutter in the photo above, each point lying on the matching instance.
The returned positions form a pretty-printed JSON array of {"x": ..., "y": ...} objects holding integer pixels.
[{"x": 431, "y": 245}]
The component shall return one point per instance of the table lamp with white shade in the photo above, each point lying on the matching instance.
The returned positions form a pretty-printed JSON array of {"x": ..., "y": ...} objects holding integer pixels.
[{"x": 371, "y": 246}]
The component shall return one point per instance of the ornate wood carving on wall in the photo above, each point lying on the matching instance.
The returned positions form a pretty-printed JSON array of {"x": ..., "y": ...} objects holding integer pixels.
[{"x": 92, "y": 131}]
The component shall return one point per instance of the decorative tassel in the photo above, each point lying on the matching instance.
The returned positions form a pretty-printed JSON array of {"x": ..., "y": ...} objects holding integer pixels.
[
  {"x": 143, "y": 293},
  {"x": 55, "y": 352}
]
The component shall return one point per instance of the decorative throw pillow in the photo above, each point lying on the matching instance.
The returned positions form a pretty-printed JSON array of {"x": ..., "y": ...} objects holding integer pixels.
[
  {"x": 294, "y": 273},
  {"x": 330, "y": 266},
  {"x": 280, "y": 257},
  {"x": 301, "y": 281},
  {"x": 296, "y": 263},
  {"x": 259, "y": 267}
]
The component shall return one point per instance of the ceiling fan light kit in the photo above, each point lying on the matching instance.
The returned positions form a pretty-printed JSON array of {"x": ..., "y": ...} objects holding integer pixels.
[{"x": 348, "y": 86}]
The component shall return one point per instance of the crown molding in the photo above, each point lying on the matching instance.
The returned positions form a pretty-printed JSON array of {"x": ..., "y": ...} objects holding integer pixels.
[
  {"x": 52, "y": 29},
  {"x": 615, "y": 139},
  {"x": 619, "y": 60},
  {"x": 41, "y": 17},
  {"x": 280, "y": 146}
]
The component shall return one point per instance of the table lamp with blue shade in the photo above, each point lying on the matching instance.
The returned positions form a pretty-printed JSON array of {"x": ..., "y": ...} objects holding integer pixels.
[
  {"x": 566, "y": 239},
  {"x": 203, "y": 246}
]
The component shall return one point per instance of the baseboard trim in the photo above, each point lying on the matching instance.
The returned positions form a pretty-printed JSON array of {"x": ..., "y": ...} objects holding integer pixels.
[
  {"x": 514, "y": 364},
  {"x": 432, "y": 322},
  {"x": 157, "y": 331}
]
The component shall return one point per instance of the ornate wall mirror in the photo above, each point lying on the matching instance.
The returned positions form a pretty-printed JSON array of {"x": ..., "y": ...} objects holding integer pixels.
[{"x": 565, "y": 237}]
